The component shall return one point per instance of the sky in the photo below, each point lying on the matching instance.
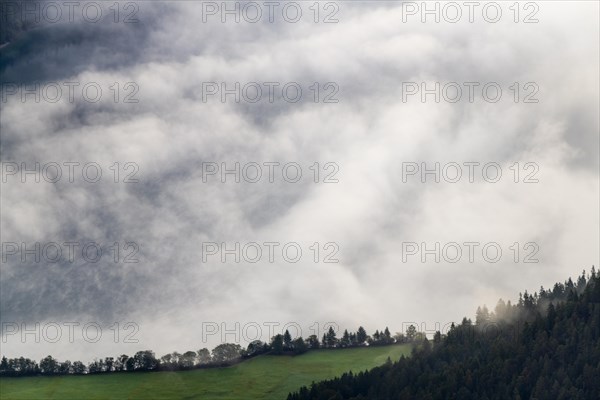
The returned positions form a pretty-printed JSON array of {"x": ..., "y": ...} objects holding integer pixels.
[{"x": 345, "y": 108}]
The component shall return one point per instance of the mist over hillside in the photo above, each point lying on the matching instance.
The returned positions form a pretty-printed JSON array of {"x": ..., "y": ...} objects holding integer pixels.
[
  {"x": 546, "y": 346},
  {"x": 177, "y": 175}
]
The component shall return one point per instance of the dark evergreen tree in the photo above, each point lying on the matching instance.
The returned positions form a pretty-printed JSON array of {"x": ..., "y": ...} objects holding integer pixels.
[
  {"x": 299, "y": 346},
  {"x": 277, "y": 344},
  {"x": 331, "y": 338},
  {"x": 345, "y": 341},
  {"x": 361, "y": 335},
  {"x": 387, "y": 336},
  {"x": 287, "y": 340},
  {"x": 313, "y": 342}
]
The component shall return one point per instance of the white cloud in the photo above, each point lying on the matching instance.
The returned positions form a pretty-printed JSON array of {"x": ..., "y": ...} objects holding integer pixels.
[{"x": 369, "y": 213}]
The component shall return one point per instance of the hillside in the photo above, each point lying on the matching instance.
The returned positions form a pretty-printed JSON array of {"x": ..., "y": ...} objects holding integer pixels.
[
  {"x": 546, "y": 347},
  {"x": 262, "y": 377}
]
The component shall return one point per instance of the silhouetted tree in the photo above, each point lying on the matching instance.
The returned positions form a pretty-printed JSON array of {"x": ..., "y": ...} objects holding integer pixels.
[
  {"x": 361, "y": 335},
  {"x": 226, "y": 352},
  {"x": 287, "y": 340},
  {"x": 277, "y": 344},
  {"x": 299, "y": 346},
  {"x": 203, "y": 356}
]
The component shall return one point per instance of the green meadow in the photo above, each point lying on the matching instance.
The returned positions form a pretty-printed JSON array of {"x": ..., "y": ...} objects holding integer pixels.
[{"x": 262, "y": 377}]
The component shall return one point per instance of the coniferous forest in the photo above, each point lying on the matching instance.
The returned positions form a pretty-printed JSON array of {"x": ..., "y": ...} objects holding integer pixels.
[{"x": 545, "y": 347}]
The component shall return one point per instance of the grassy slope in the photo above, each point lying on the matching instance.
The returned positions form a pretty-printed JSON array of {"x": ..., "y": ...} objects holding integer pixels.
[{"x": 263, "y": 377}]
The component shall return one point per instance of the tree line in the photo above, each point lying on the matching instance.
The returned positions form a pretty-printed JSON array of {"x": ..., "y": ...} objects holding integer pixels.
[
  {"x": 224, "y": 354},
  {"x": 545, "y": 347}
]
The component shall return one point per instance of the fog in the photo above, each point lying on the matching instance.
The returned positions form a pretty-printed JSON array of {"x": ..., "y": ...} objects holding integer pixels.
[{"x": 368, "y": 209}]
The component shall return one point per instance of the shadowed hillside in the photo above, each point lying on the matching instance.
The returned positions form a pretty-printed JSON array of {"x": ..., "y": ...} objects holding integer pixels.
[{"x": 546, "y": 347}]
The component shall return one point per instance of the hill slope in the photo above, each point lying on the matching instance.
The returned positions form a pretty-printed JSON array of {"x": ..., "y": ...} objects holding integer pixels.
[
  {"x": 262, "y": 377},
  {"x": 547, "y": 347}
]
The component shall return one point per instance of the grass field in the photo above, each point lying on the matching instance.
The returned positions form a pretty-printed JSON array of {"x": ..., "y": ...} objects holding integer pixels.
[{"x": 263, "y": 377}]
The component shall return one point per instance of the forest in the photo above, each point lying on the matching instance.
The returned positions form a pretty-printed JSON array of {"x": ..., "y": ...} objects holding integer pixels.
[{"x": 545, "y": 347}]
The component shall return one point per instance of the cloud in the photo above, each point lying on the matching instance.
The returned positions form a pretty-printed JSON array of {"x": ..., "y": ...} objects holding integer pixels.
[{"x": 368, "y": 134}]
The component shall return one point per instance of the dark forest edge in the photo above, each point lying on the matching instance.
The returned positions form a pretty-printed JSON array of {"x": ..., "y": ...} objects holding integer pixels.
[
  {"x": 224, "y": 355},
  {"x": 545, "y": 347}
]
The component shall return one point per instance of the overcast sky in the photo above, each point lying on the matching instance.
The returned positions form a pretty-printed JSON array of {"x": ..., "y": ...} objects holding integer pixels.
[{"x": 176, "y": 132}]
